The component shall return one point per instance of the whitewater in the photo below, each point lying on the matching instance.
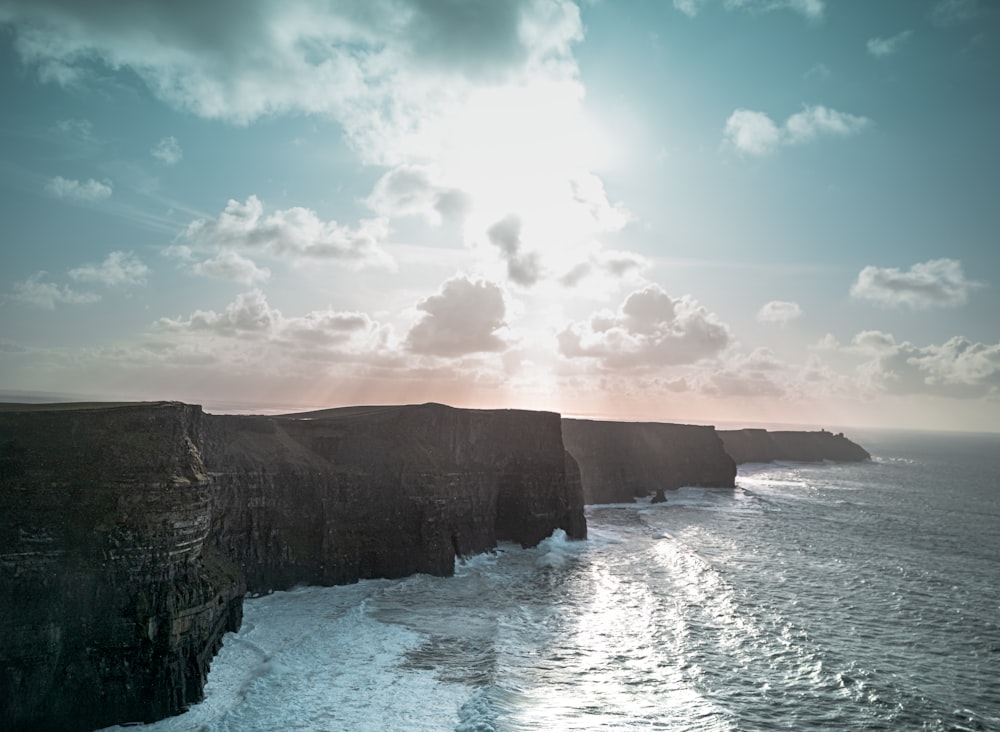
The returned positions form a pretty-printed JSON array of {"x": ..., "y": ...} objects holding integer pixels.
[{"x": 813, "y": 596}]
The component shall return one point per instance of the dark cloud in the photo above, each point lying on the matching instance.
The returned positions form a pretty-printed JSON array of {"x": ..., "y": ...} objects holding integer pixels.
[{"x": 523, "y": 268}]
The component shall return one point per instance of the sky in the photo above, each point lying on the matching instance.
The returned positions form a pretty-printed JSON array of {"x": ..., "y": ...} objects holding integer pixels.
[{"x": 712, "y": 211}]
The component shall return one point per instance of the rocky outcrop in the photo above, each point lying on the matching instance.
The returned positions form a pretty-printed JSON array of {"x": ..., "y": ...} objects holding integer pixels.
[
  {"x": 621, "y": 461},
  {"x": 130, "y": 533},
  {"x": 763, "y": 446}
]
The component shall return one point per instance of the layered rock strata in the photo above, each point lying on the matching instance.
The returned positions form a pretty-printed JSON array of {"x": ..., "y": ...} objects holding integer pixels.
[
  {"x": 130, "y": 533},
  {"x": 763, "y": 446},
  {"x": 622, "y": 461},
  {"x": 113, "y": 600}
]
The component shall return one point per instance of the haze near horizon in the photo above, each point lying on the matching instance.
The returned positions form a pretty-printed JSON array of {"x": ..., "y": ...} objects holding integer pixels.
[{"x": 726, "y": 211}]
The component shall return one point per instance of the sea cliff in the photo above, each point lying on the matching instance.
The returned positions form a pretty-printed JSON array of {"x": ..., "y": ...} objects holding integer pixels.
[
  {"x": 763, "y": 446},
  {"x": 622, "y": 461},
  {"x": 130, "y": 533}
]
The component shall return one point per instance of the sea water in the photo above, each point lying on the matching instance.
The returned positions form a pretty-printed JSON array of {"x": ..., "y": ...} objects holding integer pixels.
[{"x": 813, "y": 596}]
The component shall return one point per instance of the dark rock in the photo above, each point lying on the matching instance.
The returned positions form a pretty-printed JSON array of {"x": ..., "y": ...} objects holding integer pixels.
[
  {"x": 114, "y": 603},
  {"x": 762, "y": 446},
  {"x": 130, "y": 533},
  {"x": 620, "y": 461}
]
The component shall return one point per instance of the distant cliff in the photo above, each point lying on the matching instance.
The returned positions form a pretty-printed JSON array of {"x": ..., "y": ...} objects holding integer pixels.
[
  {"x": 762, "y": 446},
  {"x": 622, "y": 461},
  {"x": 130, "y": 533}
]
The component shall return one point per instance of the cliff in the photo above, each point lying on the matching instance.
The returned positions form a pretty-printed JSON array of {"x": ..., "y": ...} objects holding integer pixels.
[
  {"x": 344, "y": 494},
  {"x": 113, "y": 601},
  {"x": 762, "y": 446},
  {"x": 620, "y": 461},
  {"x": 130, "y": 533}
]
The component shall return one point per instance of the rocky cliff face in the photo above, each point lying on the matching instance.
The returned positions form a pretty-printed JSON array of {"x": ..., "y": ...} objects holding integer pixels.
[
  {"x": 620, "y": 461},
  {"x": 763, "y": 446},
  {"x": 114, "y": 603},
  {"x": 346, "y": 494},
  {"x": 130, "y": 534}
]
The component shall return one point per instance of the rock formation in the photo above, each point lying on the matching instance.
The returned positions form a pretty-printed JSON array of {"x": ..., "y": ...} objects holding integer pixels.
[
  {"x": 762, "y": 446},
  {"x": 130, "y": 533},
  {"x": 621, "y": 461}
]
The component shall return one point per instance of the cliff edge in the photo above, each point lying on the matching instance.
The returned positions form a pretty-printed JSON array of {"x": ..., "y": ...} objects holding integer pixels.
[
  {"x": 763, "y": 446},
  {"x": 130, "y": 533},
  {"x": 622, "y": 461}
]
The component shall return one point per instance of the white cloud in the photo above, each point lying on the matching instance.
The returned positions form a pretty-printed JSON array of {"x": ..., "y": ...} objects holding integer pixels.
[
  {"x": 118, "y": 268},
  {"x": 229, "y": 265},
  {"x": 248, "y": 315},
  {"x": 755, "y": 133},
  {"x": 752, "y": 132},
  {"x": 89, "y": 190},
  {"x": 293, "y": 233},
  {"x": 957, "y": 368},
  {"x": 779, "y": 311},
  {"x": 828, "y": 342},
  {"x": 812, "y": 121},
  {"x": 411, "y": 190},
  {"x": 167, "y": 151},
  {"x": 818, "y": 71},
  {"x": 873, "y": 341},
  {"x": 650, "y": 329},
  {"x": 464, "y": 317},
  {"x": 882, "y": 47},
  {"x": 689, "y": 7},
  {"x": 325, "y": 335},
  {"x": 952, "y": 12},
  {"x": 351, "y": 60},
  {"x": 81, "y": 130},
  {"x": 934, "y": 283},
  {"x": 812, "y": 9},
  {"x": 46, "y": 295}
]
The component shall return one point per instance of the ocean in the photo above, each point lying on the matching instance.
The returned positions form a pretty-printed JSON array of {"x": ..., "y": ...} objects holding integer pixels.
[{"x": 813, "y": 596}]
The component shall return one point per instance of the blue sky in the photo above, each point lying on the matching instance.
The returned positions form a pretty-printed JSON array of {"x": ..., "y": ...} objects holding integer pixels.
[{"x": 702, "y": 210}]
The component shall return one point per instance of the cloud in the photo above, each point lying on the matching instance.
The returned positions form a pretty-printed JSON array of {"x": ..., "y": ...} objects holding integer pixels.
[
  {"x": 882, "y": 47},
  {"x": 752, "y": 132},
  {"x": 779, "y": 311},
  {"x": 757, "y": 374},
  {"x": 352, "y": 60},
  {"x": 873, "y": 341},
  {"x": 811, "y": 9},
  {"x": 89, "y": 190},
  {"x": 319, "y": 334},
  {"x": 229, "y": 265},
  {"x": 952, "y": 12},
  {"x": 934, "y": 283},
  {"x": 818, "y": 71},
  {"x": 248, "y": 315},
  {"x": 650, "y": 329},
  {"x": 46, "y": 295},
  {"x": 755, "y": 133},
  {"x": 118, "y": 268},
  {"x": 689, "y": 7},
  {"x": 293, "y": 233},
  {"x": 410, "y": 190},
  {"x": 957, "y": 368},
  {"x": 81, "y": 130},
  {"x": 167, "y": 151},
  {"x": 464, "y": 317},
  {"x": 523, "y": 268}
]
